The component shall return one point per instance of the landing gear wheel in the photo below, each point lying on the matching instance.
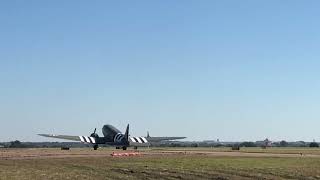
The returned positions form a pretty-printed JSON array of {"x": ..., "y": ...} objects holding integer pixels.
[
  {"x": 136, "y": 147},
  {"x": 95, "y": 147},
  {"x": 124, "y": 148}
]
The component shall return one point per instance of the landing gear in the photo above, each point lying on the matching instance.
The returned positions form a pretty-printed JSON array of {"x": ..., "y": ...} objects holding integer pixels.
[
  {"x": 124, "y": 148},
  {"x": 135, "y": 147},
  {"x": 117, "y": 147},
  {"x": 95, "y": 147}
]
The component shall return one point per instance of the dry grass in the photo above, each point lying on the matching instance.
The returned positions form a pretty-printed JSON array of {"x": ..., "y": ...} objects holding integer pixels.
[{"x": 100, "y": 165}]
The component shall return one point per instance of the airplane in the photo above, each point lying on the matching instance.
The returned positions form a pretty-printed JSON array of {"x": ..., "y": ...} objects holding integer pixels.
[{"x": 113, "y": 137}]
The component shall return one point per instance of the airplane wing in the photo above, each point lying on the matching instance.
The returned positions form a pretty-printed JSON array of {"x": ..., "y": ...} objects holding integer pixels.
[
  {"x": 84, "y": 139},
  {"x": 158, "y": 139}
]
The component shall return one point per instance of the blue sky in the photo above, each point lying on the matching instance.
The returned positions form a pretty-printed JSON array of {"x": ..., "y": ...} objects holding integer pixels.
[{"x": 233, "y": 70}]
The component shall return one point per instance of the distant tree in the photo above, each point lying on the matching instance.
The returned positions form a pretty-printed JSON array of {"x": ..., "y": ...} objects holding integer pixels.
[
  {"x": 283, "y": 143},
  {"x": 218, "y": 145},
  {"x": 248, "y": 144},
  {"x": 175, "y": 145},
  {"x": 302, "y": 144},
  {"x": 314, "y": 144},
  {"x": 15, "y": 144}
]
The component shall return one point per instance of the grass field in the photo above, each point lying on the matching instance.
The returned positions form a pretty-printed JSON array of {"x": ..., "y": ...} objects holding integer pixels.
[
  {"x": 161, "y": 166},
  {"x": 275, "y": 150}
]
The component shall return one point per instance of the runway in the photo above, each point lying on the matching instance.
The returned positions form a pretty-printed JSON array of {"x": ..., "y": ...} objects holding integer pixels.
[{"x": 34, "y": 153}]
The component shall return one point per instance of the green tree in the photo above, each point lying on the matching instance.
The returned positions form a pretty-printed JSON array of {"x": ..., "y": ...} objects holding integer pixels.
[
  {"x": 314, "y": 144},
  {"x": 283, "y": 143},
  {"x": 248, "y": 144},
  {"x": 15, "y": 144}
]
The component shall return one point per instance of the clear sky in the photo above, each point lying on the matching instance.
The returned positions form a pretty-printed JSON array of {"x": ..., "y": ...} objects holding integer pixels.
[{"x": 233, "y": 70}]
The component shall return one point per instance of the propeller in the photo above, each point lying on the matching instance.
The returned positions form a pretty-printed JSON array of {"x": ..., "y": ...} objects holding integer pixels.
[{"x": 94, "y": 134}]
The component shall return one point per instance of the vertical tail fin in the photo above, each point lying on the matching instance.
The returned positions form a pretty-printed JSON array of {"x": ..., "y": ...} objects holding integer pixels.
[{"x": 126, "y": 135}]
